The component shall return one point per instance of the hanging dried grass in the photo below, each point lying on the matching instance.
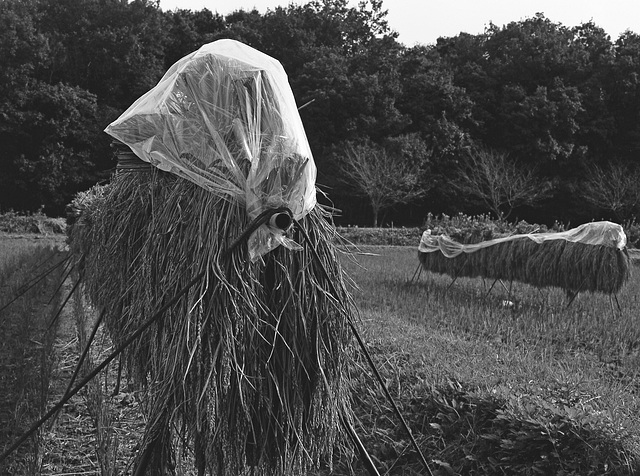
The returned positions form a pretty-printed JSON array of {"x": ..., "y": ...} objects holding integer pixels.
[
  {"x": 247, "y": 368},
  {"x": 571, "y": 266}
]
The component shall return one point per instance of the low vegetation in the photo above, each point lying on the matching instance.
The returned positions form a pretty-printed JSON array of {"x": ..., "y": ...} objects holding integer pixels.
[
  {"x": 38, "y": 223},
  {"x": 463, "y": 229}
]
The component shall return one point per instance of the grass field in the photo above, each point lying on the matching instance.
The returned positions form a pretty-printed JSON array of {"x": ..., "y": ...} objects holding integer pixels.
[
  {"x": 498, "y": 383},
  {"x": 489, "y": 383}
]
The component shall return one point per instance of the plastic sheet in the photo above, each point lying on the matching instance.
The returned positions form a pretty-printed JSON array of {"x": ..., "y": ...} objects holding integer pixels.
[
  {"x": 225, "y": 118},
  {"x": 603, "y": 233}
]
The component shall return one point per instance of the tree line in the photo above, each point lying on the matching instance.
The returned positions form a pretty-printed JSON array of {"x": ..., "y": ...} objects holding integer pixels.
[{"x": 533, "y": 119}]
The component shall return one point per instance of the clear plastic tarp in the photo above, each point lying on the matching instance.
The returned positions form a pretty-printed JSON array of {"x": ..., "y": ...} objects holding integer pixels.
[
  {"x": 225, "y": 118},
  {"x": 603, "y": 233}
]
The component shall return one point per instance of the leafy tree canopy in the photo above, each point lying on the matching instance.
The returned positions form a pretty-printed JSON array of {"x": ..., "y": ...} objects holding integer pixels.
[{"x": 559, "y": 99}]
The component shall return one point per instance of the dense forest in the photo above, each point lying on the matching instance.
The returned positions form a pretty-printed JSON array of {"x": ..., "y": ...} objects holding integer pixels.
[{"x": 531, "y": 120}]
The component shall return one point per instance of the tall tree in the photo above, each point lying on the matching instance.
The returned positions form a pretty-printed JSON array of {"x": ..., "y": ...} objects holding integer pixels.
[
  {"x": 499, "y": 183},
  {"x": 46, "y": 136},
  {"x": 188, "y": 30},
  {"x": 386, "y": 178},
  {"x": 113, "y": 49},
  {"x": 342, "y": 58},
  {"x": 593, "y": 79},
  {"x": 48, "y": 128},
  {"x": 540, "y": 126},
  {"x": 625, "y": 97},
  {"x": 613, "y": 188}
]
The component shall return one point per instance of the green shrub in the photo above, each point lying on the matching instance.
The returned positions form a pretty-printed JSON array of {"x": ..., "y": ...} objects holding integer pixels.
[
  {"x": 39, "y": 223},
  {"x": 462, "y": 228},
  {"x": 381, "y": 236}
]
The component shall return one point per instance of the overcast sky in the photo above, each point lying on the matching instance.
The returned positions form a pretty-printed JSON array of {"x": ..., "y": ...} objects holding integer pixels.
[{"x": 423, "y": 21}]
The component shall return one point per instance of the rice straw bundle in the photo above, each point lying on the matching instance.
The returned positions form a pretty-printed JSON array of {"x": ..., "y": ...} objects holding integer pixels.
[
  {"x": 592, "y": 257},
  {"x": 247, "y": 367}
]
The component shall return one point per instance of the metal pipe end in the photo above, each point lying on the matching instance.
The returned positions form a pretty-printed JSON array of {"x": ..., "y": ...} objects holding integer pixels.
[{"x": 281, "y": 221}]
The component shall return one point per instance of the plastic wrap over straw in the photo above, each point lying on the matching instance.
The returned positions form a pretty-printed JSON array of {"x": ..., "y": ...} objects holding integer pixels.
[
  {"x": 602, "y": 233},
  {"x": 225, "y": 118}
]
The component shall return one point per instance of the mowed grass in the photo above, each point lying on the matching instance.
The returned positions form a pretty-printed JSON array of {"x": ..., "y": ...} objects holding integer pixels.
[{"x": 495, "y": 382}]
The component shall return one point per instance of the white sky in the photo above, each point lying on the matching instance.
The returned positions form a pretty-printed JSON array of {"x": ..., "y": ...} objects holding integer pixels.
[{"x": 423, "y": 21}]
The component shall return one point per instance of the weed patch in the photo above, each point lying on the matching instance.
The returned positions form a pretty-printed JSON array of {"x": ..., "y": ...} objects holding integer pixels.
[{"x": 38, "y": 223}]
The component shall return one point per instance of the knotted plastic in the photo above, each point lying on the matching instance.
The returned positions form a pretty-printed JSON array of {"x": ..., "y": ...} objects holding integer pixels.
[
  {"x": 596, "y": 233},
  {"x": 225, "y": 118}
]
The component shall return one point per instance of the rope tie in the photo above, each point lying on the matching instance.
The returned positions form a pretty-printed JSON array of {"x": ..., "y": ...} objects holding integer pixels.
[{"x": 127, "y": 160}]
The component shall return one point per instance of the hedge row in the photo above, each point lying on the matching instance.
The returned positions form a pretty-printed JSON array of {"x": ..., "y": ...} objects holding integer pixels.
[
  {"x": 462, "y": 228},
  {"x": 36, "y": 223}
]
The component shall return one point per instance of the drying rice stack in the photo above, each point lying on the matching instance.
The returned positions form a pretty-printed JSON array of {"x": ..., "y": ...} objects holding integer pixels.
[
  {"x": 592, "y": 257},
  {"x": 247, "y": 367}
]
